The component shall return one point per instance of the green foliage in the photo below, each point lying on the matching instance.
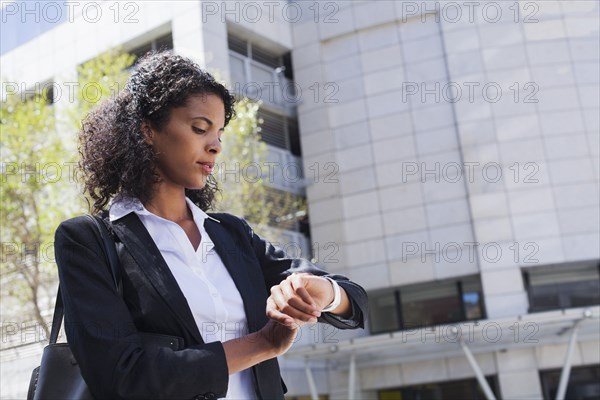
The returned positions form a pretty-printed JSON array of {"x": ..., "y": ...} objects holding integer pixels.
[
  {"x": 242, "y": 194},
  {"x": 100, "y": 78},
  {"x": 242, "y": 173},
  {"x": 37, "y": 188},
  {"x": 39, "y": 184}
]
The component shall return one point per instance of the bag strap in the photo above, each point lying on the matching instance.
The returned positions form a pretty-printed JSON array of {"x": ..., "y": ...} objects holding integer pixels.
[
  {"x": 113, "y": 259},
  {"x": 109, "y": 250}
]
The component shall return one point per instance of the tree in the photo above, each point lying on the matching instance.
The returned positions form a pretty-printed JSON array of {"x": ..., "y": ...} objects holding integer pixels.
[
  {"x": 39, "y": 184},
  {"x": 242, "y": 174},
  {"x": 36, "y": 181},
  {"x": 99, "y": 78},
  {"x": 242, "y": 151}
]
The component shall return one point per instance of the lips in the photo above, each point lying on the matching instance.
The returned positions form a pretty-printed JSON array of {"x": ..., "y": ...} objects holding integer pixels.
[{"x": 207, "y": 167}]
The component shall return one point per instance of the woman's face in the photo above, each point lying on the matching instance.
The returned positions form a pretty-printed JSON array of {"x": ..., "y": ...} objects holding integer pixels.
[{"x": 187, "y": 147}]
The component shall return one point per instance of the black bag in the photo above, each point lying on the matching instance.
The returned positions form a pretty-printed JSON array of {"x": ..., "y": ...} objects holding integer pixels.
[{"x": 58, "y": 376}]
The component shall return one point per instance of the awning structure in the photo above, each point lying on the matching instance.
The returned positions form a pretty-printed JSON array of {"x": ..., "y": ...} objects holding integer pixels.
[{"x": 466, "y": 338}]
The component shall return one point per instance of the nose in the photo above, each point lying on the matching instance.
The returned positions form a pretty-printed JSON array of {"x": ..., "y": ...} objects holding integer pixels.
[{"x": 214, "y": 146}]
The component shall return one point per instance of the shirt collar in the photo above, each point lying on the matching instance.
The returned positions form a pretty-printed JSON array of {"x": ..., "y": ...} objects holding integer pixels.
[{"x": 120, "y": 206}]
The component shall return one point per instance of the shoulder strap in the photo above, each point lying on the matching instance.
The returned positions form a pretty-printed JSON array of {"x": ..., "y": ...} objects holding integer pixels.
[
  {"x": 113, "y": 259},
  {"x": 109, "y": 250}
]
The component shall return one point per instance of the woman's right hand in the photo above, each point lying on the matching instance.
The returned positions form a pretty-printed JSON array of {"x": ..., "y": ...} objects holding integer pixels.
[
  {"x": 273, "y": 340},
  {"x": 278, "y": 337}
]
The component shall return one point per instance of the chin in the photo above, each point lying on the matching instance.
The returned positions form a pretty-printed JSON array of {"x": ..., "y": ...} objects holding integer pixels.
[{"x": 196, "y": 185}]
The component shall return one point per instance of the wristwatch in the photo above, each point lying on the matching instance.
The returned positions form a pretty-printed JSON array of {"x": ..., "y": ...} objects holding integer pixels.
[{"x": 337, "y": 296}]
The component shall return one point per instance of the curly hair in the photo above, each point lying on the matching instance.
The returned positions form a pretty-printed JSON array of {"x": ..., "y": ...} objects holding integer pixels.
[{"x": 114, "y": 156}]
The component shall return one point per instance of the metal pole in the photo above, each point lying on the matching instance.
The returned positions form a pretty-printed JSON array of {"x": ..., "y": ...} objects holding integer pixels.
[
  {"x": 314, "y": 395},
  {"x": 566, "y": 371},
  {"x": 489, "y": 395},
  {"x": 352, "y": 377}
]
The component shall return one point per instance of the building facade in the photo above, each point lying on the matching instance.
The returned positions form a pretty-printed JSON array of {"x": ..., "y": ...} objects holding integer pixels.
[{"x": 450, "y": 159}]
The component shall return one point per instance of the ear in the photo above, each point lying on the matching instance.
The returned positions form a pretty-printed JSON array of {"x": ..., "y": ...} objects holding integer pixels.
[{"x": 148, "y": 132}]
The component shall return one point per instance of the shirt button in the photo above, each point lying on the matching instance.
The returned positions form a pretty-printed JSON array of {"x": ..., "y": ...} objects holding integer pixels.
[{"x": 215, "y": 295}]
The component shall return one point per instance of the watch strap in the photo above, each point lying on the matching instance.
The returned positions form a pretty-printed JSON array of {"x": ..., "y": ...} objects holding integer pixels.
[{"x": 337, "y": 296}]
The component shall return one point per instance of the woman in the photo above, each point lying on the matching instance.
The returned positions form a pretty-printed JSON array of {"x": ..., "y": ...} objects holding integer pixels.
[{"x": 236, "y": 300}]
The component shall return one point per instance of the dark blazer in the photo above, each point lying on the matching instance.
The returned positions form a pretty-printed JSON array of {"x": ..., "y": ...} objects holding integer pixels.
[{"x": 102, "y": 327}]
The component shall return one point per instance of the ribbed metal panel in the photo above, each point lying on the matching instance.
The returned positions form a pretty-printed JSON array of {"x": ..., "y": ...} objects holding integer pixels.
[
  {"x": 273, "y": 129},
  {"x": 238, "y": 45}
]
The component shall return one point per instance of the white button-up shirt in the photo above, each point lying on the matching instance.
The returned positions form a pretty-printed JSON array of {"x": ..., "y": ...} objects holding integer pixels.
[{"x": 211, "y": 294}]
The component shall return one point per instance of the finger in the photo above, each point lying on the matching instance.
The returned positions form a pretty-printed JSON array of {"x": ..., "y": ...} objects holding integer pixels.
[
  {"x": 284, "y": 319},
  {"x": 295, "y": 300},
  {"x": 301, "y": 300},
  {"x": 283, "y": 305},
  {"x": 277, "y": 315},
  {"x": 307, "y": 298},
  {"x": 278, "y": 298},
  {"x": 294, "y": 274},
  {"x": 299, "y": 285}
]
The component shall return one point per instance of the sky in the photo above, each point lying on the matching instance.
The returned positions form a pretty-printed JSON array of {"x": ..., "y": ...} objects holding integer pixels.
[{"x": 22, "y": 21}]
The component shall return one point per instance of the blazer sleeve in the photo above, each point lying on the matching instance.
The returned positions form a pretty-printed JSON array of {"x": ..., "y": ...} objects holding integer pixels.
[
  {"x": 277, "y": 266},
  {"x": 104, "y": 340}
]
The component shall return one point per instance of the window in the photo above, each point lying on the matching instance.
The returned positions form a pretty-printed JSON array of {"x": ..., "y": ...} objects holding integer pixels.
[
  {"x": 584, "y": 383},
  {"x": 45, "y": 90},
  {"x": 272, "y": 128},
  {"x": 164, "y": 42},
  {"x": 433, "y": 305},
  {"x": 237, "y": 45},
  {"x": 427, "y": 304},
  {"x": 279, "y": 131},
  {"x": 261, "y": 54},
  {"x": 563, "y": 286},
  {"x": 465, "y": 389},
  {"x": 383, "y": 313},
  {"x": 50, "y": 99},
  {"x": 259, "y": 73}
]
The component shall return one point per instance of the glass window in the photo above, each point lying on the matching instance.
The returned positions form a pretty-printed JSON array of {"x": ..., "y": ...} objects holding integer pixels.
[
  {"x": 237, "y": 70},
  {"x": 268, "y": 71},
  {"x": 562, "y": 286},
  {"x": 45, "y": 90},
  {"x": 266, "y": 89},
  {"x": 142, "y": 50},
  {"x": 383, "y": 312},
  {"x": 472, "y": 305},
  {"x": 164, "y": 42},
  {"x": 472, "y": 297},
  {"x": 256, "y": 52},
  {"x": 265, "y": 57},
  {"x": 294, "y": 136},
  {"x": 584, "y": 383},
  {"x": 238, "y": 45},
  {"x": 467, "y": 389},
  {"x": 427, "y": 304}
]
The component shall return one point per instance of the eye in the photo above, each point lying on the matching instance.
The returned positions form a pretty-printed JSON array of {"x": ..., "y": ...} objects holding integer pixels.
[{"x": 198, "y": 130}]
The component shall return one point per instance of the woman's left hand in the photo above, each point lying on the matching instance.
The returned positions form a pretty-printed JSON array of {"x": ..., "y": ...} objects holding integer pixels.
[{"x": 299, "y": 299}]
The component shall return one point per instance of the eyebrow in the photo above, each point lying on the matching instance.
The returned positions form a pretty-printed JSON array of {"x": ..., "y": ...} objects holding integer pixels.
[{"x": 207, "y": 121}]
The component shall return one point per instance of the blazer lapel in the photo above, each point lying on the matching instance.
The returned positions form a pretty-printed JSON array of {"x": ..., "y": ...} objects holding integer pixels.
[
  {"x": 134, "y": 235},
  {"x": 238, "y": 264}
]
